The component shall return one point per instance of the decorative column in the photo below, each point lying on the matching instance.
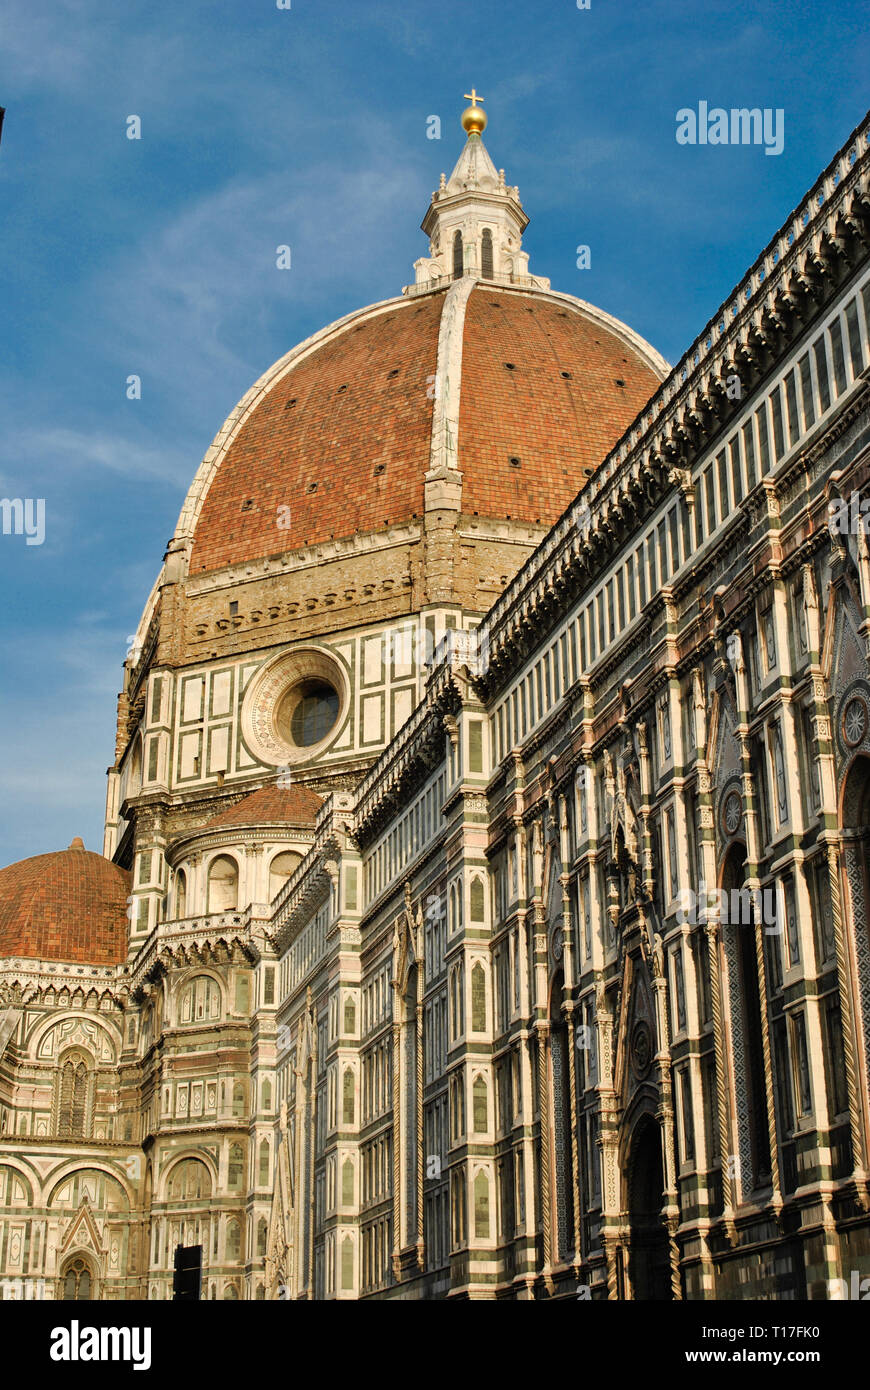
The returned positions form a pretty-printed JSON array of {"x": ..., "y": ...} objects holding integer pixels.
[
  {"x": 856, "y": 1080},
  {"x": 666, "y": 1113},
  {"x": 312, "y": 1151},
  {"x": 753, "y": 858},
  {"x": 418, "y": 1110},
  {"x": 570, "y": 1010},
  {"x": 542, "y": 1033},
  {"x": 397, "y": 1137},
  {"x": 823, "y": 754},
  {"x": 608, "y": 1139}
]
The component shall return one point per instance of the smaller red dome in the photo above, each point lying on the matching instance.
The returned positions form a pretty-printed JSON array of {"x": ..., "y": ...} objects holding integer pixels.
[
  {"x": 66, "y": 906},
  {"x": 273, "y": 805}
]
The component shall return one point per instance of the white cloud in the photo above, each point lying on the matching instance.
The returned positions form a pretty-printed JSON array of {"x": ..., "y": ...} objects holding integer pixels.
[{"x": 61, "y": 448}]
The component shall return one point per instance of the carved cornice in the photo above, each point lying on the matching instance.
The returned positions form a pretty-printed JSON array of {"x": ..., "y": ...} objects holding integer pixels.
[
  {"x": 417, "y": 748},
  {"x": 216, "y": 938},
  {"x": 786, "y": 287}
]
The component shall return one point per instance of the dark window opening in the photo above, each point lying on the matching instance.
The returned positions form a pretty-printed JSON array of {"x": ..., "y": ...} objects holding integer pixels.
[
  {"x": 313, "y": 710},
  {"x": 486, "y": 265}
]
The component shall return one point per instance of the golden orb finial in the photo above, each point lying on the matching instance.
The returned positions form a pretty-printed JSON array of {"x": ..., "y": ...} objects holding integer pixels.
[{"x": 474, "y": 116}]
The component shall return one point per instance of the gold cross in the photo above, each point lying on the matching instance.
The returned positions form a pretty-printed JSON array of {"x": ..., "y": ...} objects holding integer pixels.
[{"x": 473, "y": 97}]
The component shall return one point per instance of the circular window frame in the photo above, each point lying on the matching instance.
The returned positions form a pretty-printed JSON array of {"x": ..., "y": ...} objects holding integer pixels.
[
  {"x": 268, "y": 692},
  {"x": 641, "y": 1049},
  {"x": 854, "y": 697},
  {"x": 731, "y": 792},
  {"x": 732, "y": 799}
]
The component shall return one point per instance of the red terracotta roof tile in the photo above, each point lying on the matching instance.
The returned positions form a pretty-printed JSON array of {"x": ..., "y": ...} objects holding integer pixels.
[
  {"x": 273, "y": 805},
  {"x": 557, "y": 408},
  {"x": 343, "y": 438},
  {"x": 361, "y": 400}
]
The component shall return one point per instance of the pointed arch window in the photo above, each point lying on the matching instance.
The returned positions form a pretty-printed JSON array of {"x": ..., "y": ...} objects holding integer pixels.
[
  {"x": 134, "y": 784},
  {"x": 72, "y": 1112},
  {"x": 200, "y": 999},
  {"x": 348, "y": 1105},
  {"x": 347, "y": 1182},
  {"x": 235, "y": 1167},
  {"x": 347, "y": 1263},
  {"x": 478, "y": 998},
  {"x": 481, "y": 1206},
  {"x": 180, "y": 895},
  {"x": 234, "y": 1240},
  {"x": 480, "y": 1105},
  {"x": 77, "y": 1282},
  {"x": 486, "y": 266},
  {"x": 477, "y": 899},
  {"x": 457, "y": 256}
]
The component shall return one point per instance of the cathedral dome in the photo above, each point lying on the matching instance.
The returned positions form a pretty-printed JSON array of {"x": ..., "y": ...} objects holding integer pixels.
[
  {"x": 66, "y": 906},
  {"x": 478, "y": 391},
  {"x": 337, "y": 439}
]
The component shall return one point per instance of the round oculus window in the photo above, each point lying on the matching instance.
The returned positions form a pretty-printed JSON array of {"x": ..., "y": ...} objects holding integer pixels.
[
  {"x": 732, "y": 813},
  {"x": 294, "y": 705},
  {"x": 308, "y": 713}
]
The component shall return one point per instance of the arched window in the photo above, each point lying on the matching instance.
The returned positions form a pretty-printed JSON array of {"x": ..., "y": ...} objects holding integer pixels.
[
  {"x": 479, "y": 1105},
  {"x": 234, "y": 1240},
  {"x": 73, "y": 1121},
  {"x": 261, "y": 1237},
  {"x": 200, "y": 1000},
  {"x": 478, "y": 998},
  {"x": 77, "y": 1281},
  {"x": 238, "y": 1100},
  {"x": 263, "y": 1180},
  {"x": 189, "y": 1180},
  {"x": 347, "y": 1263},
  {"x": 134, "y": 782},
  {"x": 236, "y": 1166},
  {"x": 223, "y": 884},
  {"x": 347, "y": 1109},
  {"x": 243, "y": 993},
  {"x": 180, "y": 895},
  {"x": 457, "y": 1003},
  {"x": 481, "y": 1206},
  {"x": 283, "y": 866},
  {"x": 267, "y": 1095},
  {"x": 457, "y": 256},
  {"x": 486, "y": 254},
  {"x": 477, "y": 911}
]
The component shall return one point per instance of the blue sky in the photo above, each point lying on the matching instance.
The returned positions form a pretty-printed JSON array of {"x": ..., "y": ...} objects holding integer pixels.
[{"x": 307, "y": 126}]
